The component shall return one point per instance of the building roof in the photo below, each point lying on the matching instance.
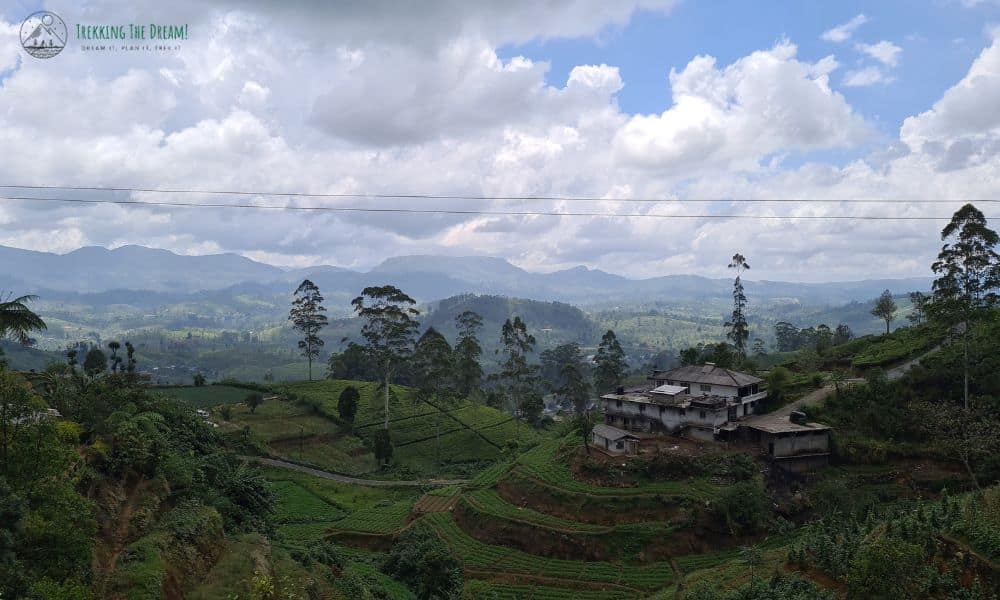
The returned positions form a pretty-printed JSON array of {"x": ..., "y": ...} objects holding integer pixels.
[
  {"x": 707, "y": 373},
  {"x": 669, "y": 390},
  {"x": 612, "y": 433},
  {"x": 778, "y": 424}
]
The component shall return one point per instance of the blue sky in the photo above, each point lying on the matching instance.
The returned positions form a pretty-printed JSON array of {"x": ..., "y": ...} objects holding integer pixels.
[{"x": 939, "y": 39}]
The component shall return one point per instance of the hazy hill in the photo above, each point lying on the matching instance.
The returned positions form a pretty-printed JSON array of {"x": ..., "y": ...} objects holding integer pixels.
[{"x": 426, "y": 278}]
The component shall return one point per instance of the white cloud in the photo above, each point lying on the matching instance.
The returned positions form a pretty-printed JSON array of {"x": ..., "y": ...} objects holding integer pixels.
[
  {"x": 865, "y": 76},
  {"x": 389, "y": 105},
  {"x": 733, "y": 117},
  {"x": 844, "y": 31},
  {"x": 885, "y": 52}
]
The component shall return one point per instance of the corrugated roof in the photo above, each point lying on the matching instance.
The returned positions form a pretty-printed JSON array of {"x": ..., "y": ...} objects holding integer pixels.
[
  {"x": 669, "y": 390},
  {"x": 611, "y": 433},
  {"x": 709, "y": 374}
]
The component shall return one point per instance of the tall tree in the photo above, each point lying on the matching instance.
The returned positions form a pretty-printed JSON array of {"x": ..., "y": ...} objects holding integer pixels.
[
  {"x": 468, "y": 351},
  {"x": 518, "y": 378},
  {"x": 609, "y": 363},
  {"x": 968, "y": 270},
  {"x": 17, "y": 320},
  {"x": 95, "y": 363},
  {"x": 553, "y": 360},
  {"x": 885, "y": 308},
  {"x": 389, "y": 330},
  {"x": 308, "y": 319},
  {"x": 919, "y": 301},
  {"x": 115, "y": 360},
  {"x": 739, "y": 330},
  {"x": 433, "y": 369},
  {"x": 575, "y": 388}
]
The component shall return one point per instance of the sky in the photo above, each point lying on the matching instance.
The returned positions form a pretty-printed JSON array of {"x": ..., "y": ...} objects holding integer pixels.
[{"x": 670, "y": 100}]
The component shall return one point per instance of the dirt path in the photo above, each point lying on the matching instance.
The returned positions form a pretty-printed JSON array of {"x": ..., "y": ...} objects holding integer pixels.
[
  {"x": 819, "y": 395},
  {"x": 280, "y": 464}
]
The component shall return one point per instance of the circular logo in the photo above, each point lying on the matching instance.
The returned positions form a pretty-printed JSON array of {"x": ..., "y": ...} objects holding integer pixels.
[{"x": 43, "y": 34}]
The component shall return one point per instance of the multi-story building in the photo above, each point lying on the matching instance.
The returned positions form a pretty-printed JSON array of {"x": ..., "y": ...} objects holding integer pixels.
[{"x": 700, "y": 400}]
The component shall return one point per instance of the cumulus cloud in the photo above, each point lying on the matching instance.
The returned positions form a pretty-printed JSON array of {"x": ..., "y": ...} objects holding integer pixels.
[
  {"x": 844, "y": 31},
  {"x": 732, "y": 117},
  {"x": 865, "y": 76},
  {"x": 265, "y": 99},
  {"x": 885, "y": 52}
]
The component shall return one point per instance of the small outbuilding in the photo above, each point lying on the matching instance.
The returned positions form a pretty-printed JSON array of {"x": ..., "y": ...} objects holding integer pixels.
[
  {"x": 792, "y": 443},
  {"x": 613, "y": 440}
]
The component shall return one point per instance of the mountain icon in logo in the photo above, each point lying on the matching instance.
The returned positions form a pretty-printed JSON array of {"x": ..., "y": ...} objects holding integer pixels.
[{"x": 43, "y": 34}]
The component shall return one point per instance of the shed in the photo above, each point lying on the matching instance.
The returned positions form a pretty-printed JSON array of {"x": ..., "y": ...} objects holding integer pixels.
[{"x": 613, "y": 440}]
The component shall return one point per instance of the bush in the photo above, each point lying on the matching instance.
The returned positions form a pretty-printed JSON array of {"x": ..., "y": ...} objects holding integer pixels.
[
  {"x": 744, "y": 507},
  {"x": 422, "y": 561}
]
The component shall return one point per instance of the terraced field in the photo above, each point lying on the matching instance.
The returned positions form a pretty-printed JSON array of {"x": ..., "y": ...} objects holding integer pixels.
[{"x": 479, "y": 557}]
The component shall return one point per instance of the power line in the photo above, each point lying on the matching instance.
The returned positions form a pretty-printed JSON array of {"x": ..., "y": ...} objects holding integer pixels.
[
  {"x": 442, "y": 211},
  {"x": 472, "y": 197}
]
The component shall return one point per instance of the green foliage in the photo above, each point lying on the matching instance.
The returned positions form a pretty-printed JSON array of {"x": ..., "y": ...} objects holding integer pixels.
[
  {"x": 308, "y": 319},
  {"x": 780, "y": 587},
  {"x": 744, "y": 507},
  {"x": 347, "y": 403},
  {"x": 609, "y": 363},
  {"x": 95, "y": 363},
  {"x": 421, "y": 561},
  {"x": 382, "y": 446},
  {"x": 253, "y": 400}
]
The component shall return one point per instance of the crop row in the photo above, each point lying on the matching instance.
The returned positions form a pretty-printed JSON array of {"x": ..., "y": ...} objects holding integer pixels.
[
  {"x": 476, "y": 588},
  {"x": 541, "y": 463},
  {"x": 384, "y": 517},
  {"x": 490, "y": 503},
  {"x": 479, "y": 556},
  {"x": 298, "y": 505},
  {"x": 491, "y": 476}
]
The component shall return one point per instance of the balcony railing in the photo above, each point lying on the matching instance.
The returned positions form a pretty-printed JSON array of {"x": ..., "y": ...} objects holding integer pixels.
[{"x": 754, "y": 397}]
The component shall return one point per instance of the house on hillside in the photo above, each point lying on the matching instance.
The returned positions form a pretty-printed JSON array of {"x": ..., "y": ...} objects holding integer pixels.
[
  {"x": 613, "y": 440},
  {"x": 703, "y": 401},
  {"x": 792, "y": 442}
]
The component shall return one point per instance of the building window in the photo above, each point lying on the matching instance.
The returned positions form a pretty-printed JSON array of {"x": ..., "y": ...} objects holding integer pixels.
[
  {"x": 619, "y": 445},
  {"x": 706, "y": 388},
  {"x": 683, "y": 411},
  {"x": 701, "y": 414},
  {"x": 661, "y": 410},
  {"x": 642, "y": 408},
  {"x": 618, "y": 403}
]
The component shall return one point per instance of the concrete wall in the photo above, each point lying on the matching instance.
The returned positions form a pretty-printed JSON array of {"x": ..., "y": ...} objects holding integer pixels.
[
  {"x": 802, "y": 443},
  {"x": 670, "y": 419}
]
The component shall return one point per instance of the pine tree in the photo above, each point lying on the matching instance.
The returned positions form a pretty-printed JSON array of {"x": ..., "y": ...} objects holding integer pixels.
[
  {"x": 739, "y": 330},
  {"x": 308, "y": 319},
  {"x": 518, "y": 378}
]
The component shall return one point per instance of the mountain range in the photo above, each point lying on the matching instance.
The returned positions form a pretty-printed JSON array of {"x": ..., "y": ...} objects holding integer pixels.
[{"x": 97, "y": 270}]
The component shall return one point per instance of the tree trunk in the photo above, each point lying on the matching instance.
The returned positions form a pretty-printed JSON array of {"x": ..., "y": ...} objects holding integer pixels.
[
  {"x": 309, "y": 358},
  {"x": 972, "y": 474},
  {"x": 965, "y": 344},
  {"x": 887, "y": 326},
  {"x": 387, "y": 399}
]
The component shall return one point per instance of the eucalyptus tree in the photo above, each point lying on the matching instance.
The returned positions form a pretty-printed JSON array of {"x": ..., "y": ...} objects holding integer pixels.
[
  {"x": 468, "y": 352},
  {"x": 518, "y": 378},
  {"x": 968, "y": 270},
  {"x": 308, "y": 319},
  {"x": 433, "y": 369},
  {"x": 389, "y": 330},
  {"x": 739, "y": 330},
  {"x": 609, "y": 363}
]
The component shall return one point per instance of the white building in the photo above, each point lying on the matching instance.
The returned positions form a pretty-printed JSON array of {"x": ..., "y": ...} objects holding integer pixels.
[
  {"x": 700, "y": 400},
  {"x": 613, "y": 440}
]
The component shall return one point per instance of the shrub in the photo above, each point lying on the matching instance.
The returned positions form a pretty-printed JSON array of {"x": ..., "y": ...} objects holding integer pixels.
[
  {"x": 743, "y": 506},
  {"x": 422, "y": 561}
]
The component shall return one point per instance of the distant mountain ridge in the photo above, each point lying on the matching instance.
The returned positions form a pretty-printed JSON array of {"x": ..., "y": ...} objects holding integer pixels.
[{"x": 425, "y": 277}]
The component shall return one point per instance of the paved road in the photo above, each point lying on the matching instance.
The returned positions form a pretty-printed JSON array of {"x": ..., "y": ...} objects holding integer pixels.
[
  {"x": 281, "y": 464},
  {"x": 817, "y": 396}
]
